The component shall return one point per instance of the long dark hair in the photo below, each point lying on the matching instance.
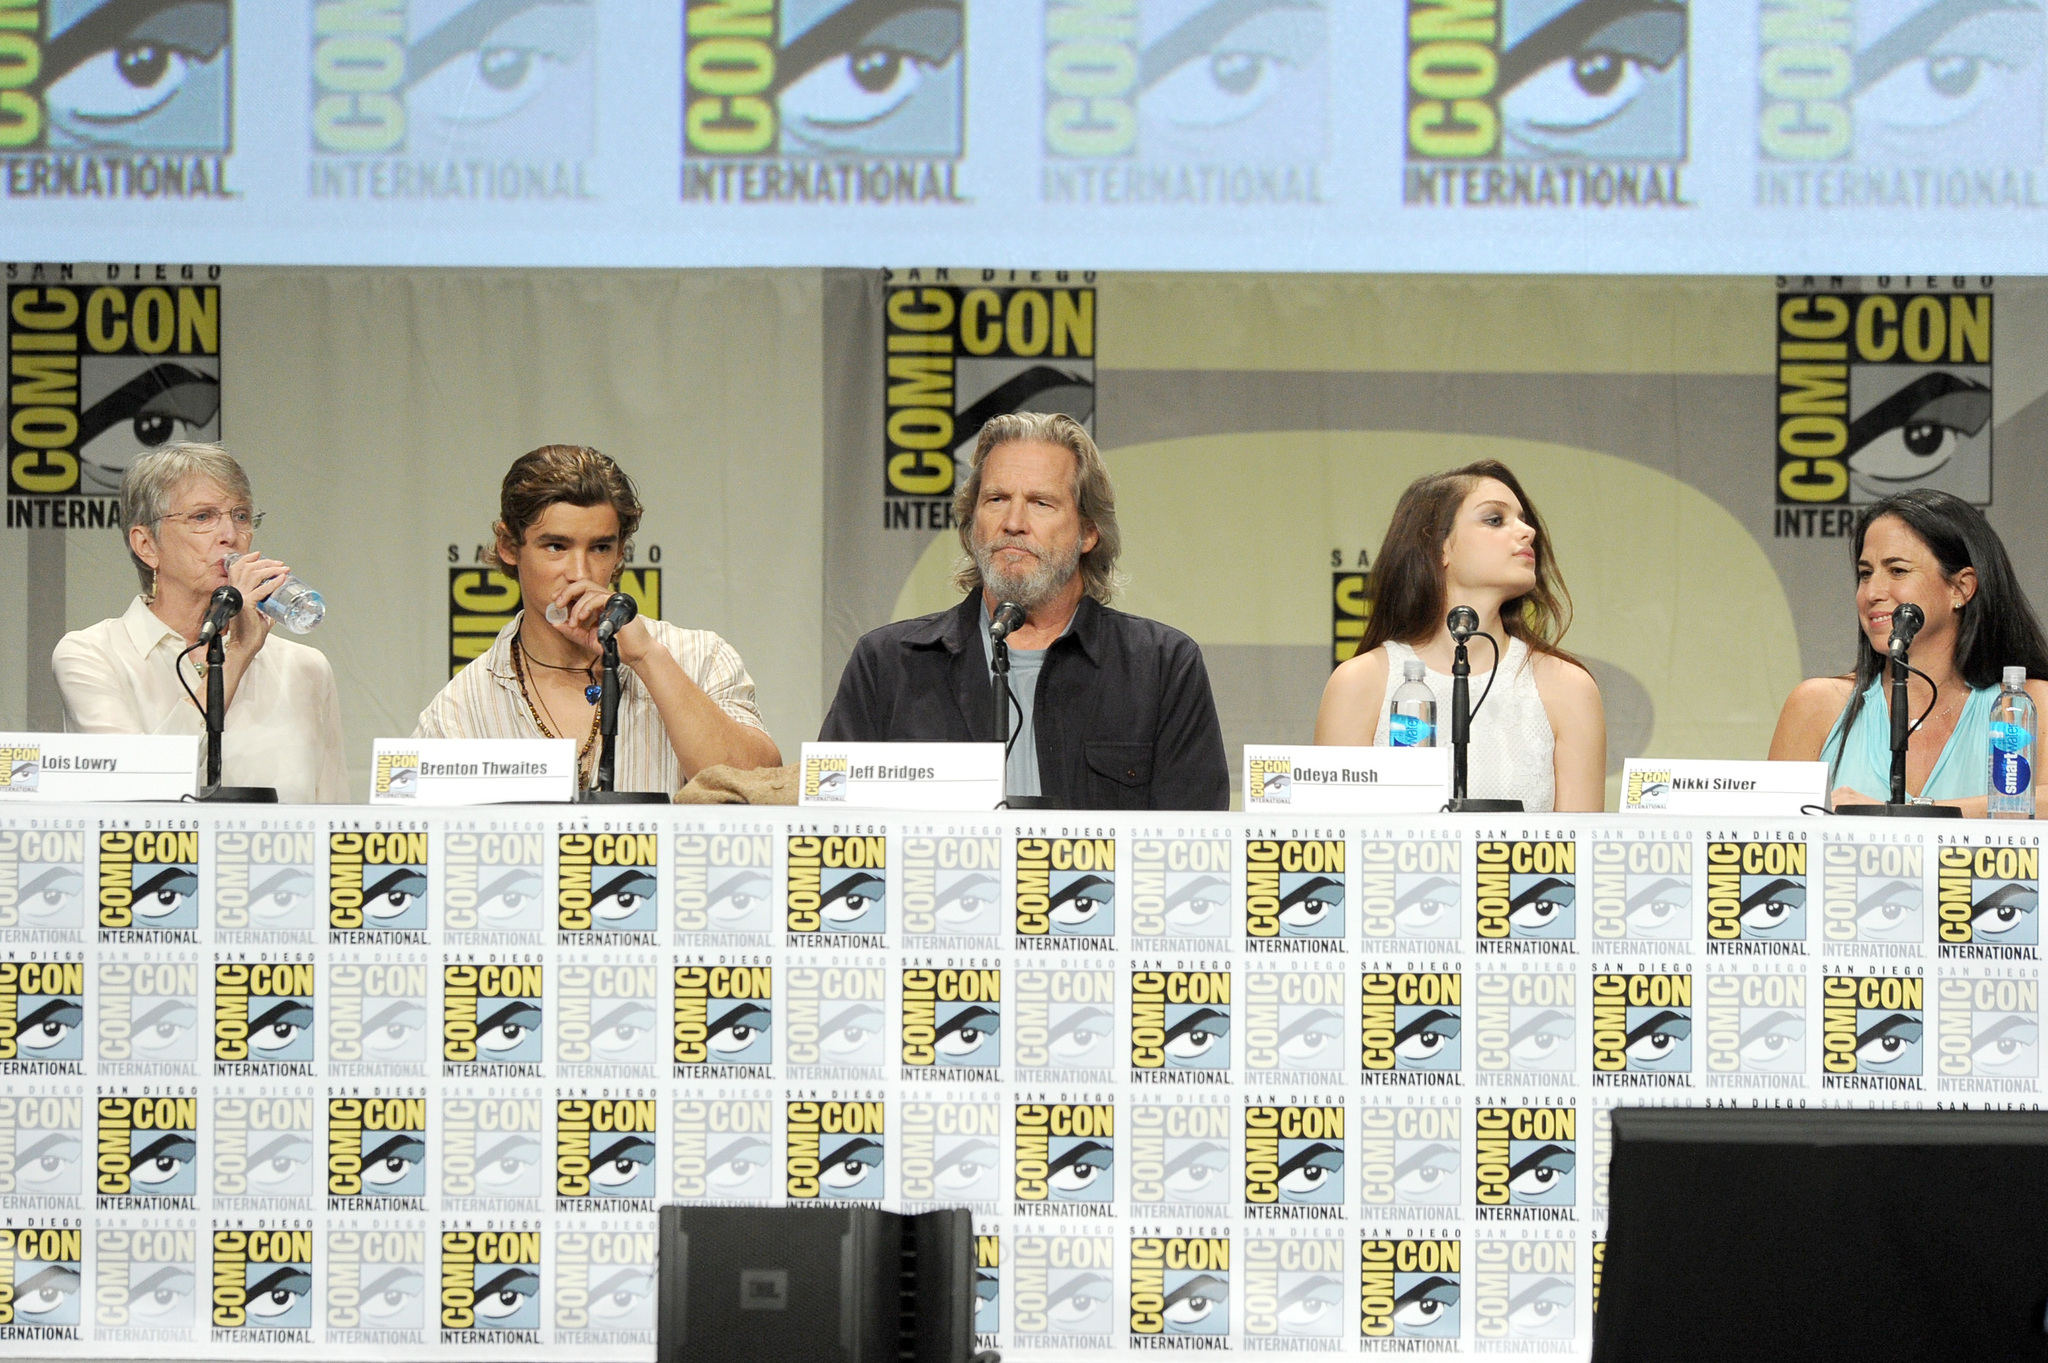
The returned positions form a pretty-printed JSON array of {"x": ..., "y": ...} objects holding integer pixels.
[
  {"x": 1407, "y": 584},
  {"x": 1995, "y": 629}
]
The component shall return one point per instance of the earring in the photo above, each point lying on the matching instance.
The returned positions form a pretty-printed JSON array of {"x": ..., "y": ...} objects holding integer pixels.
[{"x": 152, "y": 586}]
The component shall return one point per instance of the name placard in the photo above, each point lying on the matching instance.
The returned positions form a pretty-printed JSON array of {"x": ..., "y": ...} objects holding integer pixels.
[
  {"x": 472, "y": 771},
  {"x": 966, "y": 777},
  {"x": 109, "y": 767},
  {"x": 1651, "y": 785},
  {"x": 1316, "y": 780}
]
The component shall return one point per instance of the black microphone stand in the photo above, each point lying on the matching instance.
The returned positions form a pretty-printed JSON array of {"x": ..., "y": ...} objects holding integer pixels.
[
  {"x": 216, "y": 723},
  {"x": 1461, "y": 735},
  {"x": 1899, "y": 807},
  {"x": 999, "y": 676},
  {"x": 608, "y": 738}
]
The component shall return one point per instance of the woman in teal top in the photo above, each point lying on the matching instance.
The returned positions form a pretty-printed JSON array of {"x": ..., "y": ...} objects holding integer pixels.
[{"x": 1937, "y": 552}]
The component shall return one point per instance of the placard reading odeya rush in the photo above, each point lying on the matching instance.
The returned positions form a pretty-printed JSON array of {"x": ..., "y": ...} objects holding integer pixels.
[{"x": 410, "y": 1083}]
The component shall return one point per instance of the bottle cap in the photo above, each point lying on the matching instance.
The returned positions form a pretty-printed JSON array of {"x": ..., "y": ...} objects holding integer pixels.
[
  {"x": 2015, "y": 678},
  {"x": 1412, "y": 670}
]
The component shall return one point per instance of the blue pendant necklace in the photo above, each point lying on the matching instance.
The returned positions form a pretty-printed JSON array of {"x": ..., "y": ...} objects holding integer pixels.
[{"x": 591, "y": 693}]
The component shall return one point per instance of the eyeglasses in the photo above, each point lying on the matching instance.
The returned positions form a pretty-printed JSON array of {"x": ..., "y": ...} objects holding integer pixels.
[{"x": 207, "y": 517}]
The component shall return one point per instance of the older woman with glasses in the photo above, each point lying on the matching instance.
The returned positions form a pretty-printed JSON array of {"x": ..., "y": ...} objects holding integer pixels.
[{"x": 188, "y": 507}]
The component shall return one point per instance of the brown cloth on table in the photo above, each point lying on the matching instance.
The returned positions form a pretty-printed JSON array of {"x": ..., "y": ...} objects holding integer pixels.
[{"x": 723, "y": 785}]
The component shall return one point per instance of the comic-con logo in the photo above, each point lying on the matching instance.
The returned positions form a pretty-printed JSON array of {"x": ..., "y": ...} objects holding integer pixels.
[
  {"x": 1293, "y": 1156},
  {"x": 146, "y": 1148},
  {"x": 41, "y": 1272},
  {"x": 21, "y": 769},
  {"x": 106, "y": 374},
  {"x": 1871, "y": 1030},
  {"x": 1526, "y": 891},
  {"x": 1642, "y": 1024},
  {"x": 263, "y": 1280},
  {"x": 1180, "y": 887},
  {"x": 42, "y": 883},
  {"x": 723, "y": 1151},
  {"x": 1642, "y": 891},
  {"x": 377, "y": 886},
  {"x": 952, "y": 1154},
  {"x": 1410, "y": 1020},
  {"x": 608, "y": 1019},
  {"x": 834, "y": 1151},
  {"x": 1066, "y": 1020},
  {"x": 262, "y": 1018},
  {"x": 838, "y": 889},
  {"x": 1408, "y": 1289},
  {"x": 1988, "y": 897},
  {"x": 377, "y": 1018},
  {"x": 490, "y": 1282},
  {"x": 1410, "y": 889},
  {"x": 604, "y": 1152},
  {"x": 988, "y": 1284},
  {"x": 1756, "y": 896},
  {"x": 490, "y": 1153},
  {"x": 491, "y": 1018},
  {"x": 261, "y": 1151},
  {"x": 263, "y": 883},
  {"x": 42, "y": 1017},
  {"x": 1180, "y": 1020},
  {"x": 1524, "y": 1289},
  {"x": 952, "y": 1019},
  {"x": 445, "y": 79},
  {"x": 1526, "y": 1156},
  {"x": 1294, "y": 888},
  {"x": 725, "y": 1016},
  {"x": 725, "y": 884},
  {"x": 1879, "y": 392},
  {"x": 1294, "y": 1022},
  {"x": 605, "y": 883},
  {"x": 376, "y": 1152},
  {"x": 1294, "y": 1289},
  {"x": 952, "y": 887},
  {"x": 1564, "y": 102},
  {"x": 1180, "y": 1155},
  {"x": 1875, "y": 892},
  {"x": 1066, "y": 887},
  {"x": 1990, "y": 1029},
  {"x": 491, "y": 883},
  {"x": 1756, "y": 1023},
  {"x": 396, "y": 776},
  {"x": 144, "y": 1280},
  {"x": 604, "y": 1285},
  {"x": 42, "y": 1142},
  {"x": 376, "y": 1282},
  {"x": 1180, "y": 1286},
  {"x": 119, "y": 76},
  {"x": 1062, "y": 1286},
  {"x": 1524, "y": 1022},
  {"x": 959, "y": 354},
  {"x": 149, "y": 885},
  {"x": 1065, "y": 1152},
  {"x": 838, "y": 1020}
]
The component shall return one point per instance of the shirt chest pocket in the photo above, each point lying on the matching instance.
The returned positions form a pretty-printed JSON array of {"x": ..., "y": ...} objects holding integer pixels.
[{"x": 1121, "y": 774}]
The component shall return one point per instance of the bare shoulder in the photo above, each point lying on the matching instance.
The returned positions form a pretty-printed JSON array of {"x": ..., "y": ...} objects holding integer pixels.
[
  {"x": 1808, "y": 714},
  {"x": 1563, "y": 679},
  {"x": 1350, "y": 710}
]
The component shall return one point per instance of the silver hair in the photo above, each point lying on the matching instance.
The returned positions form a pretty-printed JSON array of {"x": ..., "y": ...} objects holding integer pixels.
[
  {"x": 153, "y": 480},
  {"x": 1094, "y": 494}
]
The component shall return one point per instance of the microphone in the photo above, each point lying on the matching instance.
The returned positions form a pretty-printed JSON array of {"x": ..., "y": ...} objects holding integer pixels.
[
  {"x": 1906, "y": 622},
  {"x": 1464, "y": 623},
  {"x": 1009, "y": 618},
  {"x": 225, "y": 606},
  {"x": 618, "y": 613}
]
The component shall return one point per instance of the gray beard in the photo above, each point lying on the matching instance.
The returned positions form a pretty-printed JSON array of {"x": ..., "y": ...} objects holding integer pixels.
[{"x": 1034, "y": 587}]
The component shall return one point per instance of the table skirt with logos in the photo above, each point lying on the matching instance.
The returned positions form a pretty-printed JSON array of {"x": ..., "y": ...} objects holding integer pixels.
[{"x": 375, "y": 1084}]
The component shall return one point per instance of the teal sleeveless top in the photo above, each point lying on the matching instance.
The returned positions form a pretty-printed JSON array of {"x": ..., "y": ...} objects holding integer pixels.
[{"x": 1962, "y": 770}]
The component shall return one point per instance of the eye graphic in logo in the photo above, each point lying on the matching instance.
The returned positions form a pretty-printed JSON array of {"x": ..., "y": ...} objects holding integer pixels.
[
  {"x": 1234, "y": 77},
  {"x": 1659, "y": 907},
  {"x": 2009, "y": 914},
  {"x": 283, "y": 1166},
  {"x": 853, "y": 1168},
  {"x": 740, "y": 1035},
  {"x": 162, "y": 1296},
  {"x": 1771, "y": 1041},
  {"x": 1197, "y": 1305},
  {"x": 278, "y": 1295},
  {"x": 1593, "y": 78},
  {"x": 134, "y": 406},
  {"x": 1080, "y": 1305},
  {"x": 1539, "y": 1307},
  {"x": 1311, "y": 1171},
  {"x": 852, "y": 1036},
  {"x": 394, "y": 1163},
  {"x": 2008, "y": 1048},
  {"x": 1081, "y": 1170},
  {"x": 1960, "y": 79},
  {"x": 966, "y": 1168},
  {"x": 1659, "y": 1039},
  {"x": 49, "y": 1027},
  {"x": 1889, "y": 910},
  {"x": 1197, "y": 1172},
  {"x": 1311, "y": 906},
  {"x": 876, "y": 77},
  {"x": 506, "y": 1297},
  {"x": 1425, "y": 1171},
  {"x": 142, "y": 75},
  {"x": 1887, "y": 1042},
  {"x": 623, "y": 1299},
  {"x": 499, "y": 72},
  {"x": 855, "y": 903},
  {"x": 46, "y": 1162},
  {"x": 1425, "y": 1305},
  {"x": 510, "y": 1166},
  {"x": 1773, "y": 908},
  {"x": 739, "y": 1168},
  {"x": 166, "y": 896},
  {"x": 622, "y": 1165},
  {"x": 1081, "y": 1036},
  {"x": 403, "y": 782},
  {"x": 282, "y": 899},
  {"x": 832, "y": 786},
  {"x": 25, "y": 775},
  {"x": 1425, "y": 1038},
  {"x": 1911, "y": 434},
  {"x": 281, "y": 1029},
  {"x": 160, "y": 1162},
  {"x": 1541, "y": 1175},
  {"x": 1198, "y": 906},
  {"x": 625, "y": 902},
  {"x": 509, "y": 1031},
  {"x": 969, "y": 903},
  {"x": 988, "y": 1291},
  {"x": 1540, "y": 1039},
  {"x": 511, "y": 901},
  {"x": 1310, "y": 1037},
  {"x": 395, "y": 900},
  {"x": 1311, "y": 1306},
  {"x": 970, "y": 1036},
  {"x": 396, "y": 1031},
  {"x": 1084, "y": 906},
  {"x": 1541, "y": 906},
  {"x": 392, "y": 1299},
  {"x": 739, "y": 900},
  {"x": 625, "y": 1033},
  {"x": 1197, "y": 1037},
  {"x": 45, "y": 1292},
  {"x": 1425, "y": 906}
]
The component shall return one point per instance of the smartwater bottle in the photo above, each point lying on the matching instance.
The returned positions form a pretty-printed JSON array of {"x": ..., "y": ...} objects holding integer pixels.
[
  {"x": 294, "y": 605},
  {"x": 1412, "y": 723},
  {"x": 2012, "y": 750}
]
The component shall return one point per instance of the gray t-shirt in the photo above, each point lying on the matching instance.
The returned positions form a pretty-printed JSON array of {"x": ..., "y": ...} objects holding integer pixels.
[{"x": 1021, "y": 770}]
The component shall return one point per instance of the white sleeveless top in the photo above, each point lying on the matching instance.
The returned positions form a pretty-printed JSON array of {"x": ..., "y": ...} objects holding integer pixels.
[{"x": 1512, "y": 753}]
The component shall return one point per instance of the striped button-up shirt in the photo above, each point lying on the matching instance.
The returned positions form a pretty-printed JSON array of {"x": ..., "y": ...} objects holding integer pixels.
[{"x": 484, "y": 701}]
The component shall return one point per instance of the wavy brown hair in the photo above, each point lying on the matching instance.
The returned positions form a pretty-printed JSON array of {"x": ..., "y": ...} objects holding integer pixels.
[
  {"x": 575, "y": 474},
  {"x": 1407, "y": 582},
  {"x": 1094, "y": 495}
]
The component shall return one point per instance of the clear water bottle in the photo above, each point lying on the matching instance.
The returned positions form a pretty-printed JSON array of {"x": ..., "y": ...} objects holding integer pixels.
[
  {"x": 2012, "y": 750},
  {"x": 294, "y": 605},
  {"x": 1412, "y": 722}
]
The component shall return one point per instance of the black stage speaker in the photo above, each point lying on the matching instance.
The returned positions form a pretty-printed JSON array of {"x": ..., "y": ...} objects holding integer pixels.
[
  {"x": 815, "y": 1285},
  {"x": 1816, "y": 1235}
]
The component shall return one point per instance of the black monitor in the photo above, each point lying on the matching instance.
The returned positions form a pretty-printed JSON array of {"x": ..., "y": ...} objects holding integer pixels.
[
  {"x": 815, "y": 1285},
  {"x": 1816, "y": 1235}
]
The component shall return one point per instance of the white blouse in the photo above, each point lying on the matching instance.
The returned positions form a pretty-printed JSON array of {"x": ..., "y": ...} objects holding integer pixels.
[
  {"x": 1513, "y": 753},
  {"x": 283, "y": 726}
]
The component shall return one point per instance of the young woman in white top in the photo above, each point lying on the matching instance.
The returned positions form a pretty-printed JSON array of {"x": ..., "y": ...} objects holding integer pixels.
[{"x": 1470, "y": 537}]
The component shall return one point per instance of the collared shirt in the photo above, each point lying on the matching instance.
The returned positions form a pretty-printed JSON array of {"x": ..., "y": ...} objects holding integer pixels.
[
  {"x": 283, "y": 728},
  {"x": 1123, "y": 717},
  {"x": 484, "y": 701}
]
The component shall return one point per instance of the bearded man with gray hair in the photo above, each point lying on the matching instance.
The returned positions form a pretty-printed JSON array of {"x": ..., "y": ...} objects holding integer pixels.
[{"x": 1109, "y": 711}]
